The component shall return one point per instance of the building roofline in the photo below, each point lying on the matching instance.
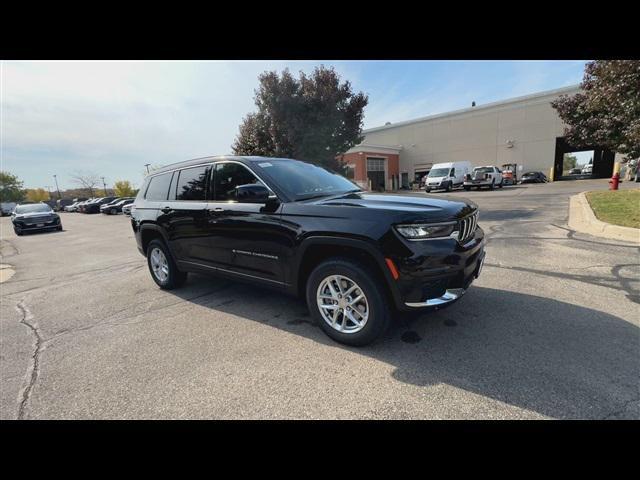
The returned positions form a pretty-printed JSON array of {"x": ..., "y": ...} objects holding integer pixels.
[
  {"x": 370, "y": 147},
  {"x": 557, "y": 91}
]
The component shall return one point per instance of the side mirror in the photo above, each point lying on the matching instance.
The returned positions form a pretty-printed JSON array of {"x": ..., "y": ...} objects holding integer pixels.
[{"x": 252, "y": 193}]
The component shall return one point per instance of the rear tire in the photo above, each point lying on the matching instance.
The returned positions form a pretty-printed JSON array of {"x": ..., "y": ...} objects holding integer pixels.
[
  {"x": 59, "y": 228},
  {"x": 113, "y": 211},
  {"x": 428, "y": 190},
  {"x": 493, "y": 185},
  {"x": 500, "y": 184},
  {"x": 364, "y": 283},
  {"x": 162, "y": 267},
  {"x": 467, "y": 188}
]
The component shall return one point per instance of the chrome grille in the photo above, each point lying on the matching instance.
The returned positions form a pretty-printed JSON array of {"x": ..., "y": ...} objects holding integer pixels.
[{"x": 467, "y": 227}]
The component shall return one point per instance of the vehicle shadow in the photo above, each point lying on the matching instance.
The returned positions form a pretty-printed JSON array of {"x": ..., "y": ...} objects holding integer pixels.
[{"x": 554, "y": 358}]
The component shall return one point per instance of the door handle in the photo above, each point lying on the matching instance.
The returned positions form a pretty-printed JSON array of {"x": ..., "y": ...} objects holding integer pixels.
[
  {"x": 166, "y": 209},
  {"x": 217, "y": 210}
]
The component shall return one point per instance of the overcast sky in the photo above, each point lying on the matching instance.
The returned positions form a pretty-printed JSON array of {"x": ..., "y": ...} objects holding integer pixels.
[{"x": 110, "y": 118}]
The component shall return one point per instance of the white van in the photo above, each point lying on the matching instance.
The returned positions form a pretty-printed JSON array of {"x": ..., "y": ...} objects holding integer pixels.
[{"x": 447, "y": 176}]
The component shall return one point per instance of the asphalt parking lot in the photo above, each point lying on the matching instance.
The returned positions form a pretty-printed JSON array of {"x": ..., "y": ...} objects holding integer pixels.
[{"x": 551, "y": 329}]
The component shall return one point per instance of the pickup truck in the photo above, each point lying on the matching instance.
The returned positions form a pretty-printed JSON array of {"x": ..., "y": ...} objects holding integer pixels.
[{"x": 488, "y": 176}]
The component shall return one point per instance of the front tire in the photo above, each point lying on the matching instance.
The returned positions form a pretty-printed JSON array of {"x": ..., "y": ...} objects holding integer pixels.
[
  {"x": 467, "y": 188},
  {"x": 449, "y": 187},
  {"x": 348, "y": 302},
  {"x": 18, "y": 231},
  {"x": 428, "y": 190},
  {"x": 162, "y": 267}
]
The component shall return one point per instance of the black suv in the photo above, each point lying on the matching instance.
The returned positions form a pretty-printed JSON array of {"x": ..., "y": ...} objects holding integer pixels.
[{"x": 299, "y": 228}]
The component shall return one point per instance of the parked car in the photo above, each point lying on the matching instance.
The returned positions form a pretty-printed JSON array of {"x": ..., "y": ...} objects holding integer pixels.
[
  {"x": 126, "y": 209},
  {"x": 72, "y": 208},
  {"x": 6, "y": 208},
  {"x": 34, "y": 217},
  {"x": 575, "y": 171},
  {"x": 111, "y": 202},
  {"x": 488, "y": 176},
  {"x": 534, "y": 177},
  {"x": 61, "y": 203},
  {"x": 81, "y": 205},
  {"x": 94, "y": 207},
  {"x": 587, "y": 169},
  {"x": 115, "y": 207},
  {"x": 299, "y": 228},
  {"x": 447, "y": 176}
]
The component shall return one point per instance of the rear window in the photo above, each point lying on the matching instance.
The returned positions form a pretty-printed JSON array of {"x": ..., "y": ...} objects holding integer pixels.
[{"x": 158, "y": 187}]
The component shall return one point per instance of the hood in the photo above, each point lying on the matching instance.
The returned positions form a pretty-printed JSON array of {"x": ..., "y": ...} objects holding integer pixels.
[{"x": 429, "y": 207}]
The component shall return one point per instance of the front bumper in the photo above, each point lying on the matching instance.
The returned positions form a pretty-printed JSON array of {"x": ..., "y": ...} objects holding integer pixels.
[
  {"x": 436, "y": 272},
  {"x": 450, "y": 295}
]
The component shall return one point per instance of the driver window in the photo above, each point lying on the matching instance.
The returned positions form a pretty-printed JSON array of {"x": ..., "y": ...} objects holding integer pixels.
[
  {"x": 227, "y": 177},
  {"x": 453, "y": 172}
]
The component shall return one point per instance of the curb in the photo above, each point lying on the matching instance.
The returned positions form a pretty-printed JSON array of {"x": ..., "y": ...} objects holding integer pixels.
[{"x": 582, "y": 219}]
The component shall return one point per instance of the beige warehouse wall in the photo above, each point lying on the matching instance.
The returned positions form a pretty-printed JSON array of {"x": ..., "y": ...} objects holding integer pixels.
[{"x": 479, "y": 135}]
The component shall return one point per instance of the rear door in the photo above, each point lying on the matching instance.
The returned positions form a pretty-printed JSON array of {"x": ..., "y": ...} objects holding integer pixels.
[{"x": 184, "y": 214}]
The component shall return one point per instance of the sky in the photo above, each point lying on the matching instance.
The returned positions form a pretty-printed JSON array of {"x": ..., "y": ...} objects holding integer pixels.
[{"x": 111, "y": 118}]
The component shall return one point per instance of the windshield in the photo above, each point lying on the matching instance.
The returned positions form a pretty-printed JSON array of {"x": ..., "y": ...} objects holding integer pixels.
[
  {"x": 439, "y": 172},
  {"x": 483, "y": 170},
  {"x": 303, "y": 180},
  {"x": 35, "y": 208}
]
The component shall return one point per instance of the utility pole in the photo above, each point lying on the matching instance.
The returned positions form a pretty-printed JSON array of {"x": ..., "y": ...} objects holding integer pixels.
[
  {"x": 147, "y": 165},
  {"x": 55, "y": 177},
  {"x": 105, "y": 187}
]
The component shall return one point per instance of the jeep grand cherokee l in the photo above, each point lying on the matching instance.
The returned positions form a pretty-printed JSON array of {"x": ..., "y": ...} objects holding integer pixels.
[{"x": 304, "y": 230}]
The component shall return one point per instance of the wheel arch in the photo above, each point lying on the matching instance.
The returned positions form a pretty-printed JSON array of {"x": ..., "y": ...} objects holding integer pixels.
[{"x": 315, "y": 250}]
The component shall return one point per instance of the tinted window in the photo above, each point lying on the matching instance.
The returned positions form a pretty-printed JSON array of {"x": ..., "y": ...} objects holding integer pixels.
[
  {"x": 228, "y": 176},
  {"x": 192, "y": 183},
  {"x": 158, "y": 187}
]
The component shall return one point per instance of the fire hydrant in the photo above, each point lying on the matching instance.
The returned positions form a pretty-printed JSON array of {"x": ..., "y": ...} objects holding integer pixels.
[{"x": 615, "y": 180}]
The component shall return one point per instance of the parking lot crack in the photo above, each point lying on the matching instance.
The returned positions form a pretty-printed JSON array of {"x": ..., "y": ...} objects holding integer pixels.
[{"x": 33, "y": 370}]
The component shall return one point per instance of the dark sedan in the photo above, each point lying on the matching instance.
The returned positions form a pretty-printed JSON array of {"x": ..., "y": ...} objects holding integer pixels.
[
  {"x": 533, "y": 177},
  {"x": 34, "y": 217}
]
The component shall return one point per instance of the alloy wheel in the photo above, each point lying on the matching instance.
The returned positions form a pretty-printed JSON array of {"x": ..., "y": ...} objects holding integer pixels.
[
  {"x": 343, "y": 304},
  {"x": 159, "y": 264}
]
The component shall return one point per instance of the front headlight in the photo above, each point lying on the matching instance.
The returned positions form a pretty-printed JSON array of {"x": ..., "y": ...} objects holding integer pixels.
[{"x": 426, "y": 231}]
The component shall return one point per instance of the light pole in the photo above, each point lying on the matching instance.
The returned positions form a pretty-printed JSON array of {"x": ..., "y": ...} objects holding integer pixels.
[
  {"x": 147, "y": 165},
  {"x": 105, "y": 187},
  {"x": 55, "y": 177},
  {"x": 48, "y": 187}
]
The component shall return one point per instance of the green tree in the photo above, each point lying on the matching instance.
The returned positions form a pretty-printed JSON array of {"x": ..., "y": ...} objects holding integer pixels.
[
  {"x": 123, "y": 188},
  {"x": 607, "y": 110},
  {"x": 37, "y": 195},
  {"x": 569, "y": 161},
  {"x": 10, "y": 188},
  {"x": 314, "y": 117}
]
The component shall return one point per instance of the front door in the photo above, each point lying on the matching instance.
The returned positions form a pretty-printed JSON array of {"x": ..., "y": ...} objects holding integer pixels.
[{"x": 247, "y": 238}]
